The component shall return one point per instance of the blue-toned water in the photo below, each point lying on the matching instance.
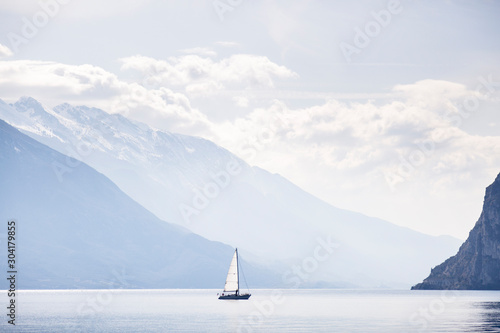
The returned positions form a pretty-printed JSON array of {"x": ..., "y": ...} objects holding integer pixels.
[{"x": 266, "y": 311}]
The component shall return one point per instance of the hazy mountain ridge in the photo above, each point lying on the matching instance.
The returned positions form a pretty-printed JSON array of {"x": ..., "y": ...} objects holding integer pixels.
[
  {"x": 266, "y": 215},
  {"x": 84, "y": 232},
  {"x": 476, "y": 266},
  {"x": 139, "y": 159}
]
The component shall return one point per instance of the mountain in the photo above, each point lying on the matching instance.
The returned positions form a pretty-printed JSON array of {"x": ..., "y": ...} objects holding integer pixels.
[
  {"x": 476, "y": 266},
  {"x": 196, "y": 184},
  {"x": 76, "y": 229}
]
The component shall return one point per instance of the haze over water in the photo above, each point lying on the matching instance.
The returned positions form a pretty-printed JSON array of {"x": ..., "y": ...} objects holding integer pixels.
[{"x": 266, "y": 311}]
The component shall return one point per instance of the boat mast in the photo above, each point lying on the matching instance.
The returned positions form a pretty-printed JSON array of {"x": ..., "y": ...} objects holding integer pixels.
[{"x": 237, "y": 272}]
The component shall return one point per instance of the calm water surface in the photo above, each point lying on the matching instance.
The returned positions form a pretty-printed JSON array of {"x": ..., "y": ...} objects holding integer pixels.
[{"x": 266, "y": 311}]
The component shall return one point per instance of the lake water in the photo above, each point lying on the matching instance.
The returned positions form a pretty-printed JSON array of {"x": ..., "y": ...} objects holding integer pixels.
[{"x": 266, "y": 311}]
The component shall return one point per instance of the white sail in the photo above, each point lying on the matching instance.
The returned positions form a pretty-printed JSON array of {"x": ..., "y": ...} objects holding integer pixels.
[{"x": 232, "y": 275}]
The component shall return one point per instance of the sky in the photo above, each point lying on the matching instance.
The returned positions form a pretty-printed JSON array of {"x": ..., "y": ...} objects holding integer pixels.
[{"x": 387, "y": 108}]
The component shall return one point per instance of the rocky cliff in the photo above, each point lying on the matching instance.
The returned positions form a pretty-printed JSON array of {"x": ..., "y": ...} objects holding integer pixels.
[{"x": 477, "y": 263}]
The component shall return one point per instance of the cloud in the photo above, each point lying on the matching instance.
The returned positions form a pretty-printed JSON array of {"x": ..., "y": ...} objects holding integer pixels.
[
  {"x": 57, "y": 79},
  {"x": 202, "y": 51},
  {"x": 438, "y": 95},
  {"x": 368, "y": 140},
  {"x": 241, "y": 71},
  {"x": 5, "y": 52},
  {"x": 241, "y": 101}
]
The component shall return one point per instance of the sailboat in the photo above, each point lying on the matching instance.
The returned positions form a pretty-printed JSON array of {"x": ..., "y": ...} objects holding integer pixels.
[{"x": 232, "y": 286}]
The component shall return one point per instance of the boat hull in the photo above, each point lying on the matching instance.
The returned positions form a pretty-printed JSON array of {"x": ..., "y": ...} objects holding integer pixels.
[{"x": 234, "y": 296}]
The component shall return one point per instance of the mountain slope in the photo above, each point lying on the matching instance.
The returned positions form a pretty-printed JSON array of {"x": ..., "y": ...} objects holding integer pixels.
[
  {"x": 197, "y": 184},
  {"x": 477, "y": 263},
  {"x": 76, "y": 229}
]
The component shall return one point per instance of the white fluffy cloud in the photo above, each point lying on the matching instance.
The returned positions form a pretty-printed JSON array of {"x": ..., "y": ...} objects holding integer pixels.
[
  {"x": 56, "y": 78},
  {"x": 201, "y": 51},
  {"x": 193, "y": 71},
  {"x": 365, "y": 135}
]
